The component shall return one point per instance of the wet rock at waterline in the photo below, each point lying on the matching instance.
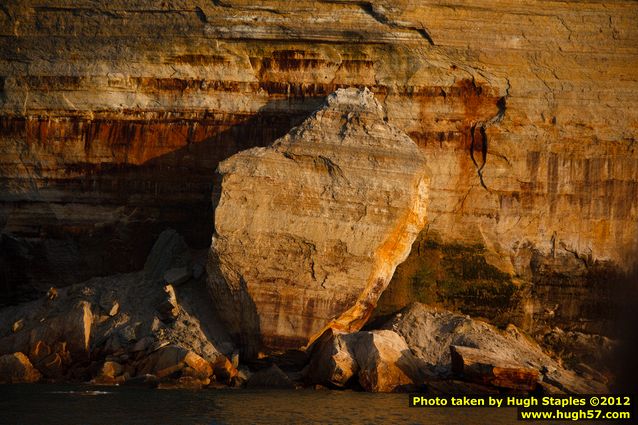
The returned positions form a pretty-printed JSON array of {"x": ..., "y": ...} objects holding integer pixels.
[
  {"x": 309, "y": 230},
  {"x": 272, "y": 377},
  {"x": 16, "y": 368},
  {"x": 380, "y": 361},
  {"x": 120, "y": 329},
  {"x": 490, "y": 369},
  {"x": 430, "y": 332}
]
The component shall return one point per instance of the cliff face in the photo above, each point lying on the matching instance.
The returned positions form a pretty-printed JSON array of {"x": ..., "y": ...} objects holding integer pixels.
[
  {"x": 309, "y": 231},
  {"x": 114, "y": 116}
]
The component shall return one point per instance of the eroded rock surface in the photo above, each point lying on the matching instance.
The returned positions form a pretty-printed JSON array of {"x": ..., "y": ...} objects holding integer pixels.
[
  {"x": 487, "y": 368},
  {"x": 333, "y": 359},
  {"x": 386, "y": 362},
  {"x": 310, "y": 230},
  {"x": 16, "y": 368},
  {"x": 429, "y": 332},
  {"x": 120, "y": 329},
  {"x": 379, "y": 360},
  {"x": 111, "y": 127}
]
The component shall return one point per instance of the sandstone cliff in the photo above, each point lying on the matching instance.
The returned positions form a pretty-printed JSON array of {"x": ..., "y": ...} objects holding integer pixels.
[
  {"x": 308, "y": 231},
  {"x": 114, "y": 116}
]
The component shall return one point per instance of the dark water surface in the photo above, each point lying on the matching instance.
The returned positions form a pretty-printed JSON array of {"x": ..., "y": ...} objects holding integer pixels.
[{"x": 58, "y": 404}]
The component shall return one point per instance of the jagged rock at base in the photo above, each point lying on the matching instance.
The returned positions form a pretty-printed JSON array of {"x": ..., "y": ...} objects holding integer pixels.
[
  {"x": 79, "y": 337},
  {"x": 55, "y": 341},
  {"x": 489, "y": 369},
  {"x": 333, "y": 361},
  {"x": 380, "y": 360},
  {"x": 224, "y": 370},
  {"x": 594, "y": 355},
  {"x": 386, "y": 362},
  {"x": 429, "y": 332},
  {"x": 272, "y": 377},
  {"x": 169, "y": 252},
  {"x": 308, "y": 231},
  {"x": 168, "y": 309},
  {"x": 110, "y": 330},
  {"x": 171, "y": 360},
  {"x": 111, "y": 369},
  {"x": 16, "y": 368}
]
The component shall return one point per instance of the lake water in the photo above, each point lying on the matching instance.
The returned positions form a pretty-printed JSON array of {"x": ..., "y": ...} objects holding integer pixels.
[{"x": 58, "y": 404}]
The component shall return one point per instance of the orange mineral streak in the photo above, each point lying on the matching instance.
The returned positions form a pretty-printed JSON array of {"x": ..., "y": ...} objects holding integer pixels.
[
  {"x": 476, "y": 103},
  {"x": 394, "y": 250},
  {"x": 447, "y": 114},
  {"x": 116, "y": 140}
]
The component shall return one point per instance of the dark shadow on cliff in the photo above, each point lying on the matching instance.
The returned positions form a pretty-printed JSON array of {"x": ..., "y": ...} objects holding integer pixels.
[
  {"x": 193, "y": 167},
  {"x": 236, "y": 309},
  {"x": 625, "y": 367},
  {"x": 198, "y": 306},
  {"x": 177, "y": 190}
]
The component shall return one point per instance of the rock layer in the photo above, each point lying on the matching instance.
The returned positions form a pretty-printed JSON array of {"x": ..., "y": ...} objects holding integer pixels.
[
  {"x": 487, "y": 369},
  {"x": 308, "y": 232},
  {"x": 115, "y": 114}
]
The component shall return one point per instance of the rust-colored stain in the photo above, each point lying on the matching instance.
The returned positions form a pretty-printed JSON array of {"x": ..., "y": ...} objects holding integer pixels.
[
  {"x": 199, "y": 59},
  {"x": 133, "y": 138},
  {"x": 162, "y": 164}
]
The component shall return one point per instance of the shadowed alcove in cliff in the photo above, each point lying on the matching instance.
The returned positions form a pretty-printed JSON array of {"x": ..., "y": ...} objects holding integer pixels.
[
  {"x": 175, "y": 189},
  {"x": 109, "y": 213}
]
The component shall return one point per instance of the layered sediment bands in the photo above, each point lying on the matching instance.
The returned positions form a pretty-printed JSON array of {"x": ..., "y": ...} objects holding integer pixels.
[
  {"x": 90, "y": 193},
  {"x": 113, "y": 136},
  {"x": 117, "y": 114},
  {"x": 308, "y": 231}
]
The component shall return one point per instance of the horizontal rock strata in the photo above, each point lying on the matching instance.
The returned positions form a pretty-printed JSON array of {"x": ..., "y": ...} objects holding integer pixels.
[
  {"x": 308, "y": 231},
  {"x": 114, "y": 116}
]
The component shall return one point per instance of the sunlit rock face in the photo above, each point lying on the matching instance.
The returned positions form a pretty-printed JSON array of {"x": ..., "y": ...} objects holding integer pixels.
[
  {"x": 114, "y": 116},
  {"x": 308, "y": 231}
]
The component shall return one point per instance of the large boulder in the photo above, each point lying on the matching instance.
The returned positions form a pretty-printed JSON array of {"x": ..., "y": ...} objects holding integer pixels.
[
  {"x": 174, "y": 362},
  {"x": 224, "y": 370},
  {"x": 486, "y": 368},
  {"x": 16, "y": 368},
  {"x": 386, "y": 363},
  {"x": 57, "y": 340},
  {"x": 169, "y": 252},
  {"x": 272, "y": 377},
  {"x": 430, "y": 332},
  {"x": 309, "y": 230},
  {"x": 333, "y": 360},
  {"x": 380, "y": 360}
]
